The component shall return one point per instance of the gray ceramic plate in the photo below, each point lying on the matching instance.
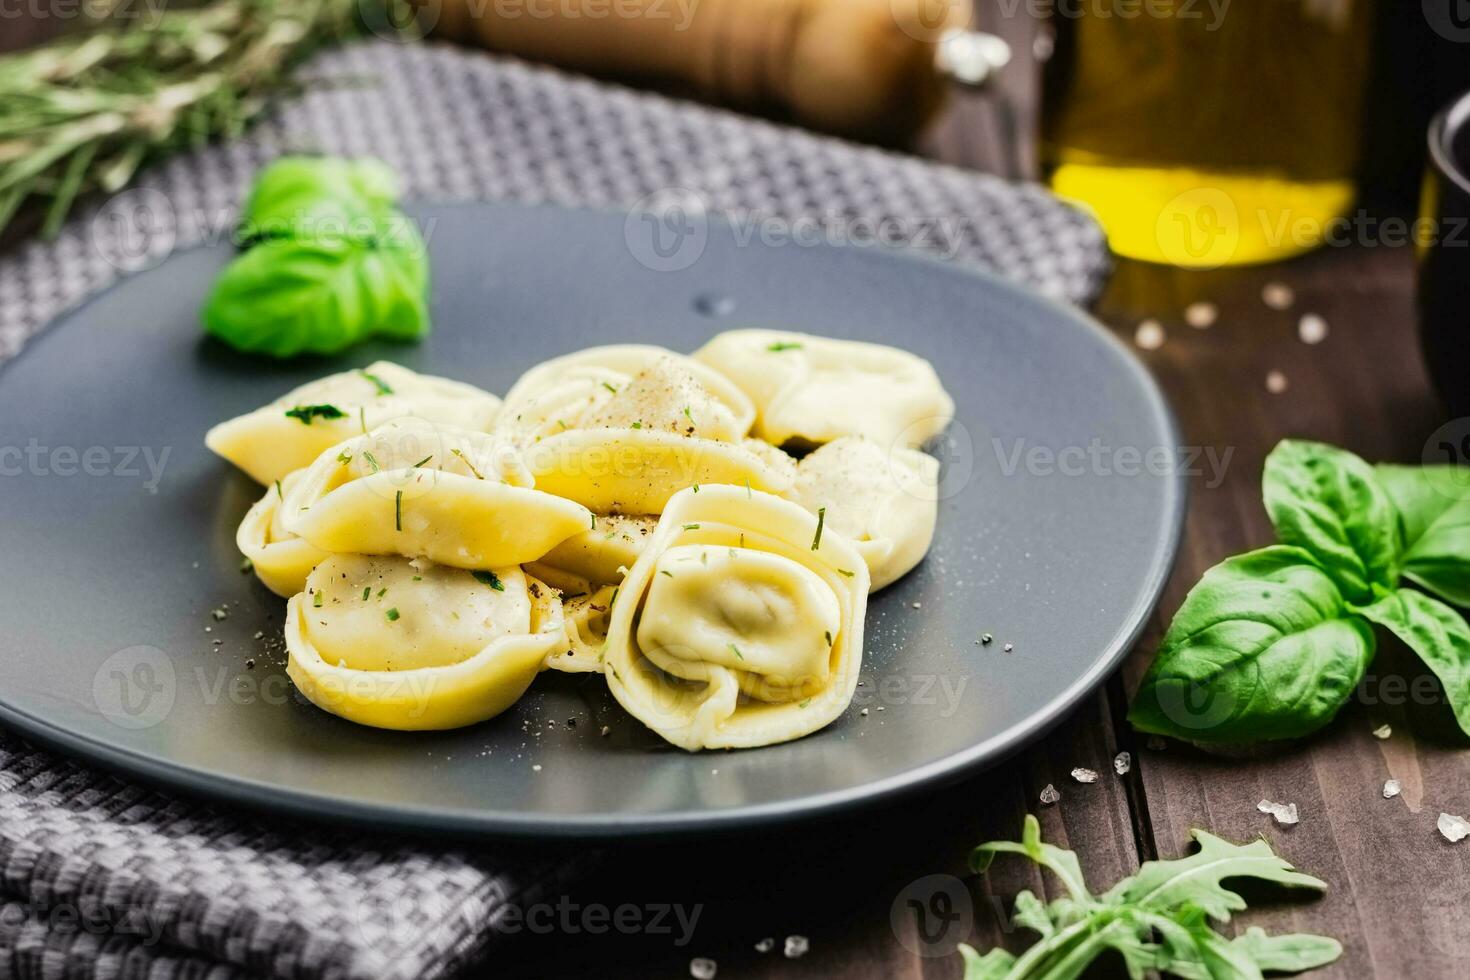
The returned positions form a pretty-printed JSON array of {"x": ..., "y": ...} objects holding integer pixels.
[{"x": 1055, "y": 536}]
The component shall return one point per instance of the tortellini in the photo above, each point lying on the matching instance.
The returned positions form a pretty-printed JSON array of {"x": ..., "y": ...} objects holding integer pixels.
[
  {"x": 886, "y": 503},
  {"x": 296, "y": 428},
  {"x": 280, "y": 559},
  {"x": 629, "y": 512},
  {"x": 810, "y": 390},
  {"x": 415, "y": 489},
  {"x": 635, "y": 445},
  {"x": 740, "y": 625},
  {"x": 412, "y": 646}
]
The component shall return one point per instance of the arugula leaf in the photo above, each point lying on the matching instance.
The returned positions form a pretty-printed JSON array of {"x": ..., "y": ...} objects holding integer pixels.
[
  {"x": 1435, "y": 632},
  {"x": 1196, "y": 880},
  {"x": 1327, "y": 501},
  {"x": 1263, "y": 648},
  {"x": 1059, "y": 861},
  {"x": 1172, "y": 901},
  {"x": 1289, "y": 953},
  {"x": 1433, "y": 503}
]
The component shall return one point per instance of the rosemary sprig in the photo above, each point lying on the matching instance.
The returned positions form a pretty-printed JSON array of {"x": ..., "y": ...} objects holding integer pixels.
[{"x": 85, "y": 113}]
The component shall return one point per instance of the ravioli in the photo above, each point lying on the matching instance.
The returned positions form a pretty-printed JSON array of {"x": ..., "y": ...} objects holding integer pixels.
[
  {"x": 811, "y": 390},
  {"x": 586, "y": 618},
  {"x": 412, "y": 646},
  {"x": 740, "y": 625},
  {"x": 281, "y": 559},
  {"x": 602, "y": 553},
  {"x": 630, "y": 449},
  {"x": 560, "y": 393},
  {"x": 416, "y": 489},
  {"x": 885, "y": 503},
  {"x": 292, "y": 431}
]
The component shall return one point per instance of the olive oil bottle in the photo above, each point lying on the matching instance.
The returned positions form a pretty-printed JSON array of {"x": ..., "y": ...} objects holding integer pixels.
[{"x": 1207, "y": 132}]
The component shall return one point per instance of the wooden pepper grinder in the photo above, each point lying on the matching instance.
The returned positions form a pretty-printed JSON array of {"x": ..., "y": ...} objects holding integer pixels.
[{"x": 870, "y": 69}]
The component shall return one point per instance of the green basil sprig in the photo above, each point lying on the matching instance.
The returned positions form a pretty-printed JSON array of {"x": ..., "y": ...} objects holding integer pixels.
[
  {"x": 328, "y": 262},
  {"x": 1158, "y": 919},
  {"x": 1272, "y": 643}
]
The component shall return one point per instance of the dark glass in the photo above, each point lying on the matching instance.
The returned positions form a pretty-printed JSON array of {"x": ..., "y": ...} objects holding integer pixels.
[{"x": 1444, "y": 257}]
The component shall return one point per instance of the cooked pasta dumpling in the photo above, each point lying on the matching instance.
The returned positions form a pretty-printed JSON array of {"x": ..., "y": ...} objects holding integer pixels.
[
  {"x": 741, "y": 624},
  {"x": 586, "y": 618},
  {"x": 637, "y": 444},
  {"x": 885, "y": 503},
  {"x": 600, "y": 554},
  {"x": 296, "y": 428},
  {"x": 414, "y": 646},
  {"x": 560, "y": 393},
  {"x": 810, "y": 390},
  {"x": 416, "y": 489},
  {"x": 281, "y": 559}
]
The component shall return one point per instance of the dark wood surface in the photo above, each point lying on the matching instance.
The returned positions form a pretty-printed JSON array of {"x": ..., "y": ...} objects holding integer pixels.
[{"x": 1398, "y": 891}]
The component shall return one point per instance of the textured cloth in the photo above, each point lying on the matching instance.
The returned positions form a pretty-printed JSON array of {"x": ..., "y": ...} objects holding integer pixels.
[{"x": 101, "y": 879}]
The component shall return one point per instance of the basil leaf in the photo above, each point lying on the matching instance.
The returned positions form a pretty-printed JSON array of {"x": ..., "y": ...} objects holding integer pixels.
[
  {"x": 283, "y": 297},
  {"x": 1327, "y": 501},
  {"x": 1433, "y": 503},
  {"x": 316, "y": 197},
  {"x": 1289, "y": 953},
  {"x": 1438, "y": 635},
  {"x": 1263, "y": 648}
]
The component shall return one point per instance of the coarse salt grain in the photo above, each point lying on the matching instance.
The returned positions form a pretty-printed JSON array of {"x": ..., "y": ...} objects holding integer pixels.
[
  {"x": 1278, "y": 295},
  {"x": 1285, "y": 813},
  {"x": 1276, "y": 382},
  {"x": 1311, "y": 328},
  {"x": 1201, "y": 316},
  {"x": 765, "y": 945},
  {"x": 1391, "y": 788},
  {"x": 1049, "y": 795},
  {"x": 1383, "y": 731},
  {"x": 701, "y": 968},
  {"x": 1122, "y": 762},
  {"x": 796, "y": 947},
  {"x": 1149, "y": 335},
  {"x": 1454, "y": 828},
  {"x": 1084, "y": 775}
]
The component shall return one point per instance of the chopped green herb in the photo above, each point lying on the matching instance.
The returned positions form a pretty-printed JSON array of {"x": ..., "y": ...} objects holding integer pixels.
[
  {"x": 636, "y": 425},
  {"x": 316, "y": 600},
  {"x": 305, "y": 413},
  {"x": 382, "y": 592},
  {"x": 691, "y": 527},
  {"x": 379, "y": 383},
  {"x": 469, "y": 463},
  {"x": 805, "y": 703},
  {"x": 362, "y": 418},
  {"x": 843, "y": 571},
  {"x": 827, "y": 635},
  {"x": 423, "y": 461},
  {"x": 490, "y": 579},
  {"x": 747, "y": 488},
  {"x": 561, "y": 423},
  {"x": 418, "y": 578},
  {"x": 344, "y": 457},
  {"x": 279, "y": 492},
  {"x": 392, "y": 614},
  {"x": 246, "y": 566},
  {"x": 783, "y": 345},
  {"x": 593, "y": 525},
  {"x": 665, "y": 571},
  {"x": 821, "y": 519},
  {"x": 696, "y": 488},
  {"x": 398, "y": 510},
  {"x": 736, "y": 650},
  {"x": 371, "y": 460},
  {"x": 687, "y": 413},
  {"x": 366, "y": 593},
  {"x": 610, "y": 387}
]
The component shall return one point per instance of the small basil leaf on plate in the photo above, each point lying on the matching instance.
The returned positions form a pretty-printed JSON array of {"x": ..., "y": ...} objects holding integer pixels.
[
  {"x": 284, "y": 297},
  {"x": 1438, "y": 634},
  {"x": 318, "y": 196},
  {"x": 1433, "y": 503},
  {"x": 1263, "y": 648},
  {"x": 1327, "y": 501}
]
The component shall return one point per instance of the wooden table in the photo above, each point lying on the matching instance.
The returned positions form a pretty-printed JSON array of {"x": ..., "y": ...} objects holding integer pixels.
[{"x": 1398, "y": 891}]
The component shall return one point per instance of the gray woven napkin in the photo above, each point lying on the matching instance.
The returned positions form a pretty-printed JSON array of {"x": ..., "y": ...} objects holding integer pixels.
[{"x": 103, "y": 879}]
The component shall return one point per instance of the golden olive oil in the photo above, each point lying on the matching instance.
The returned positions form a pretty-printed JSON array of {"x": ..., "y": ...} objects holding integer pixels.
[{"x": 1207, "y": 132}]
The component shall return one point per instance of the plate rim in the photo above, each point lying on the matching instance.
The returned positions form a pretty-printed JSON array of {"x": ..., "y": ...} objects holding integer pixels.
[{"x": 420, "y": 819}]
